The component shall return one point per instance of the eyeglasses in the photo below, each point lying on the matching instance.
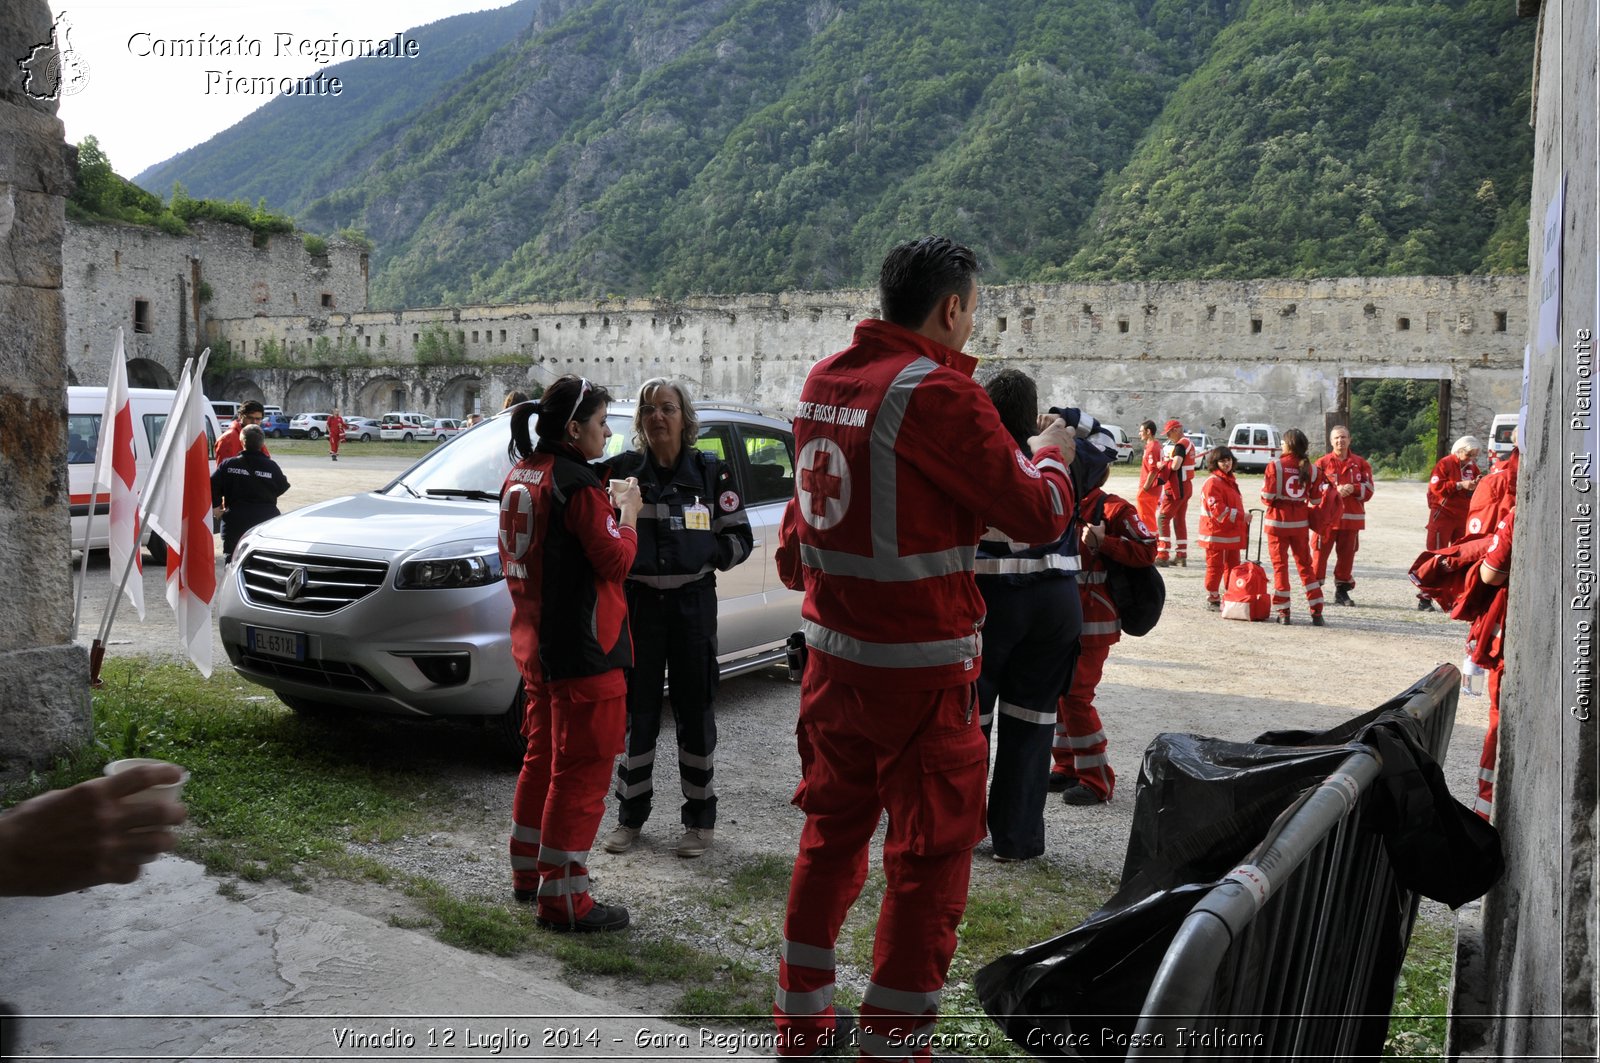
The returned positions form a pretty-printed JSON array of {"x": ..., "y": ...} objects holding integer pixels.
[
  {"x": 668, "y": 409},
  {"x": 582, "y": 391}
]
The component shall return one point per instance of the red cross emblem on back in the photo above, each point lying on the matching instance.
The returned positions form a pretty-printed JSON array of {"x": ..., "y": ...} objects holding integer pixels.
[
  {"x": 819, "y": 483},
  {"x": 516, "y": 521},
  {"x": 824, "y": 487}
]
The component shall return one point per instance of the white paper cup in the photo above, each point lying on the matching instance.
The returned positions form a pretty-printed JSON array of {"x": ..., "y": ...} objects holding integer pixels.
[
  {"x": 151, "y": 794},
  {"x": 617, "y": 487}
]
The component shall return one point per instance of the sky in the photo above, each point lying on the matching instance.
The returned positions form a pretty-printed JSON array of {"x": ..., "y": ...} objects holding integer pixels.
[{"x": 144, "y": 106}]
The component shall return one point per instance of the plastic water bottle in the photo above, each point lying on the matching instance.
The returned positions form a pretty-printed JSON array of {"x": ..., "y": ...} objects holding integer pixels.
[{"x": 1471, "y": 678}]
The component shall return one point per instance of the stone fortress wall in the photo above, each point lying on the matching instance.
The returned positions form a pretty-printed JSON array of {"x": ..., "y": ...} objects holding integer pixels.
[
  {"x": 1207, "y": 352},
  {"x": 162, "y": 290}
]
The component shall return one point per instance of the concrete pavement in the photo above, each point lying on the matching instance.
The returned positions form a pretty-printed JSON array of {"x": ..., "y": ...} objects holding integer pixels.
[{"x": 168, "y": 968}]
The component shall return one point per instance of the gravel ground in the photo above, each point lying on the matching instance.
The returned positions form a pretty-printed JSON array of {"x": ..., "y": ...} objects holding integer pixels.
[{"x": 1195, "y": 672}]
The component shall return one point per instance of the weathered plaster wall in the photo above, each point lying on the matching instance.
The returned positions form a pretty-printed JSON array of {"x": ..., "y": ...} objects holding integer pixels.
[
  {"x": 1526, "y": 975},
  {"x": 44, "y": 677},
  {"x": 1197, "y": 350},
  {"x": 109, "y": 268}
]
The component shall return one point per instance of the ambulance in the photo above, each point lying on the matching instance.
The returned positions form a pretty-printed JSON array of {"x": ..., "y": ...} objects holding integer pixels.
[
  {"x": 1254, "y": 445},
  {"x": 85, "y": 407}
]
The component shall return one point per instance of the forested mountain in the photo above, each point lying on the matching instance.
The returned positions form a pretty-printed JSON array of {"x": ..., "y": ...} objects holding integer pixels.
[{"x": 637, "y": 147}]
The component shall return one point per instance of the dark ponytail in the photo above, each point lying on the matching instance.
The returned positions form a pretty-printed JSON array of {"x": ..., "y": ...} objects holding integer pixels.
[
  {"x": 570, "y": 398},
  {"x": 1297, "y": 444}
]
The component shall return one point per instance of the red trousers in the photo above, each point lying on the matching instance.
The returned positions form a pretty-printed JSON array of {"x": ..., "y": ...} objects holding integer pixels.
[
  {"x": 1147, "y": 502},
  {"x": 1491, "y": 745},
  {"x": 561, "y": 794},
  {"x": 1218, "y": 560},
  {"x": 920, "y": 756},
  {"x": 1346, "y": 541},
  {"x": 1079, "y": 750},
  {"x": 1172, "y": 526},
  {"x": 1444, "y": 529},
  {"x": 1281, "y": 542},
  {"x": 333, "y": 444}
]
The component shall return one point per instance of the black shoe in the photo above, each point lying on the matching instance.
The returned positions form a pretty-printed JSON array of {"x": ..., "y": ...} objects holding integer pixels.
[
  {"x": 1341, "y": 598},
  {"x": 525, "y": 896},
  {"x": 601, "y": 918},
  {"x": 1059, "y": 781},
  {"x": 1082, "y": 795},
  {"x": 1283, "y": 618},
  {"x": 1213, "y": 607},
  {"x": 1317, "y": 621},
  {"x": 1424, "y": 605},
  {"x": 838, "y": 1041}
]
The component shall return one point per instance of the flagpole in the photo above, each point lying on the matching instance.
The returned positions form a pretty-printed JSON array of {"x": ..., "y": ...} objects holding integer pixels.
[
  {"x": 158, "y": 469},
  {"x": 101, "y": 452}
]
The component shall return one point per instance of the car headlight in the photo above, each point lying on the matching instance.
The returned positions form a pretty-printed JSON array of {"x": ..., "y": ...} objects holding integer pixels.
[{"x": 451, "y": 565}]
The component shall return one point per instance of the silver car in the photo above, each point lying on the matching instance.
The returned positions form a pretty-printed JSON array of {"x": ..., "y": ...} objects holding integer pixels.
[{"x": 394, "y": 601}]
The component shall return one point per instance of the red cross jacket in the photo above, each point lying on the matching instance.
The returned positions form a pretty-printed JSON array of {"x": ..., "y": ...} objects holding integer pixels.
[
  {"x": 1355, "y": 471},
  {"x": 1494, "y": 497},
  {"x": 1287, "y": 494},
  {"x": 1223, "y": 521},
  {"x": 1444, "y": 494},
  {"x": 1127, "y": 540},
  {"x": 902, "y": 462}
]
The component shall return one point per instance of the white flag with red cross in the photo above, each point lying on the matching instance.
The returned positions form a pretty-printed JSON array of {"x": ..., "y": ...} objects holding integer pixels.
[
  {"x": 115, "y": 472},
  {"x": 182, "y": 516}
]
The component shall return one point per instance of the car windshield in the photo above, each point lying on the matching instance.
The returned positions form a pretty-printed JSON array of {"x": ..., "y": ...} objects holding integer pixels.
[{"x": 477, "y": 462}]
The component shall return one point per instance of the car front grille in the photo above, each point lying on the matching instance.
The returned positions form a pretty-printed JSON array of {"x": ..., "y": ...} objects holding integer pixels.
[
  {"x": 334, "y": 675},
  {"x": 308, "y": 583}
]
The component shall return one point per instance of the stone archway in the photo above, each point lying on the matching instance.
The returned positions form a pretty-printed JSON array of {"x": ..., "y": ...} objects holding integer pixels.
[
  {"x": 148, "y": 373},
  {"x": 378, "y": 397},
  {"x": 310, "y": 394},
  {"x": 242, "y": 388},
  {"x": 461, "y": 396}
]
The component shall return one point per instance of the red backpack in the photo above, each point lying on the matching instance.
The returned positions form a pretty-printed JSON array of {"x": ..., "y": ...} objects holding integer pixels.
[{"x": 1245, "y": 595}]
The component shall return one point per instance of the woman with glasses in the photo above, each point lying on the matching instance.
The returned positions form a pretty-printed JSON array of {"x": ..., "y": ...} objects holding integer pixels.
[
  {"x": 693, "y": 526},
  {"x": 565, "y": 553}
]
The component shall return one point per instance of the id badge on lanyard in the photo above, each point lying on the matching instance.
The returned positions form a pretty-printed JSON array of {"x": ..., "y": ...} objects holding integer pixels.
[{"x": 697, "y": 517}]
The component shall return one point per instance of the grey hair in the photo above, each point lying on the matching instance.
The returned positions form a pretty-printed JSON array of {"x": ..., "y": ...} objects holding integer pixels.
[
  {"x": 691, "y": 420},
  {"x": 254, "y": 438},
  {"x": 1466, "y": 443}
]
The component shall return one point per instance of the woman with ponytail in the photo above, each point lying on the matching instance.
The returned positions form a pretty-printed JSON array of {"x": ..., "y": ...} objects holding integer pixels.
[
  {"x": 566, "y": 552},
  {"x": 1292, "y": 482}
]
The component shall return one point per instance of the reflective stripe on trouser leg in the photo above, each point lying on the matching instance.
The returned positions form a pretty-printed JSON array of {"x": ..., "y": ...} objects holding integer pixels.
[
  {"x": 1484, "y": 805},
  {"x": 1163, "y": 534},
  {"x": 634, "y": 786},
  {"x": 1277, "y": 550},
  {"x": 1081, "y": 739},
  {"x": 854, "y": 763},
  {"x": 533, "y": 786},
  {"x": 587, "y": 735},
  {"x": 1298, "y": 540},
  {"x": 692, "y": 667}
]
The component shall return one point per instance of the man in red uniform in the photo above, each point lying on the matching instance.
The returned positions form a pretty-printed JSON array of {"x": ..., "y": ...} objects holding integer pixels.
[
  {"x": 1450, "y": 489},
  {"x": 1111, "y": 529},
  {"x": 902, "y": 462},
  {"x": 1350, "y": 477},
  {"x": 335, "y": 433},
  {"x": 1149, "y": 496},
  {"x": 231, "y": 444},
  {"x": 1177, "y": 483},
  {"x": 1486, "y": 647}
]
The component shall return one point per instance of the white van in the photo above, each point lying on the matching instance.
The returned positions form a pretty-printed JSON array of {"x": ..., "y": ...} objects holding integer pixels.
[
  {"x": 1124, "y": 444},
  {"x": 85, "y": 407},
  {"x": 1254, "y": 445},
  {"x": 405, "y": 426},
  {"x": 1500, "y": 436}
]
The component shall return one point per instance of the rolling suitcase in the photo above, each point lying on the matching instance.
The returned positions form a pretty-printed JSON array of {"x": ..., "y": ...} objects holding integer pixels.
[{"x": 1245, "y": 594}]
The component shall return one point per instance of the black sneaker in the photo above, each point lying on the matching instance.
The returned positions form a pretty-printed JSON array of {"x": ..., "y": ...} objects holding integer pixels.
[
  {"x": 1317, "y": 621},
  {"x": 1424, "y": 605},
  {"x": 1213, "y": 607},
  {"x": 1059, "y": 781},
  {"x": 601, "y": 918},
  {"x": 1082, "y": 795},
  {"x": 1283, "y": 618},
  {"x": 841, "y": 1040},
  {"x": 1341, "y": 598}
]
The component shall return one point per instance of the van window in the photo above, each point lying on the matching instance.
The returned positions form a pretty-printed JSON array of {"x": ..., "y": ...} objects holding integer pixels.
[
  {"x": 83, "y": 438},
  {"x": 155, "y": 422},
  {"x": 1261, "y": 438},
  {"x": 1503, "y": 432}
]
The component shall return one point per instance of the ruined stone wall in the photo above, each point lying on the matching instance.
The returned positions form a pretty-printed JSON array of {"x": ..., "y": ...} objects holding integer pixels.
[
  {"x": 44, "y": 676},
  {"x": 1525, "y": 985},
  {"x": 109, "y": 268},
  {"x": 1202, "y": 351}
]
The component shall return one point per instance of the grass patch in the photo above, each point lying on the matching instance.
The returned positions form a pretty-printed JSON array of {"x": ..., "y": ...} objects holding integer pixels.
[
  {"x": 1422, "y": 997},
  {"x": 350, "y": 448}
]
